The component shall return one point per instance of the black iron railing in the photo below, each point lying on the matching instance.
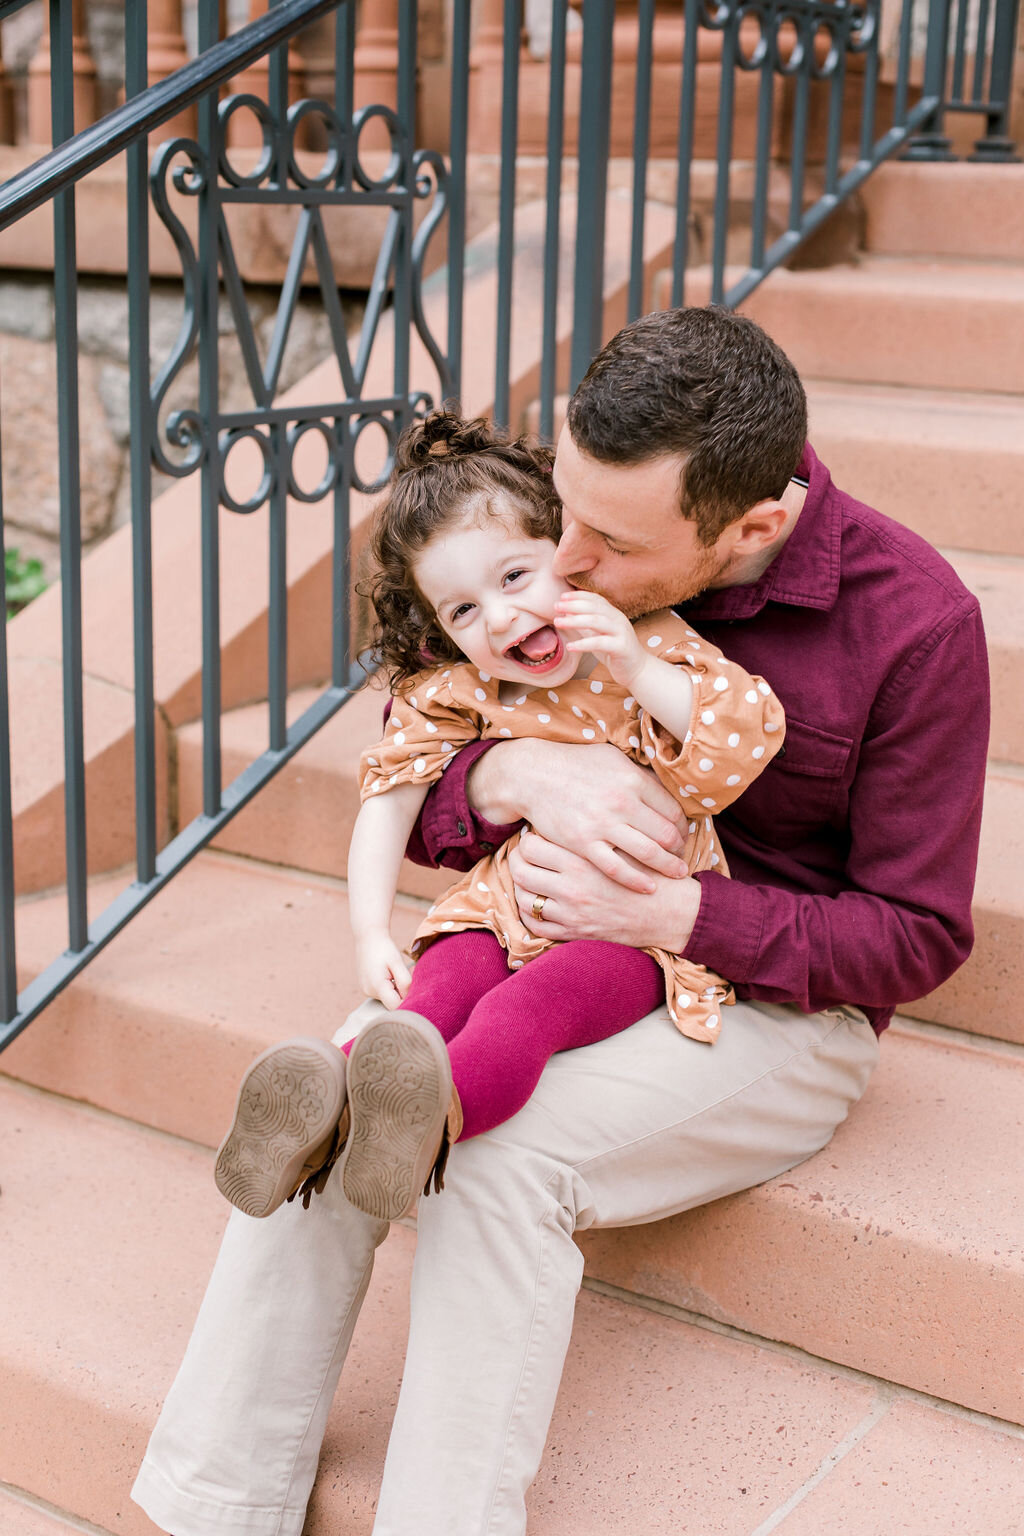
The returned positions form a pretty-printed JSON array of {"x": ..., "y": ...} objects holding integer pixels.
[{"x": 821, "y": 53}]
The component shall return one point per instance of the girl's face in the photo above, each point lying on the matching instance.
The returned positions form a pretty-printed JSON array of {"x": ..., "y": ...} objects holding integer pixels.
[{"x": 494, "y": 590}]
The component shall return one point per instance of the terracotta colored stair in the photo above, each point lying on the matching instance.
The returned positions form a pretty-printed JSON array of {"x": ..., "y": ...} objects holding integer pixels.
[{"x": 838, "y": 1350}]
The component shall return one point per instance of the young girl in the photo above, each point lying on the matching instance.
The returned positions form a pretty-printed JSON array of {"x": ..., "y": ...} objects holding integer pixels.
[{"x": 480, "y": 639}]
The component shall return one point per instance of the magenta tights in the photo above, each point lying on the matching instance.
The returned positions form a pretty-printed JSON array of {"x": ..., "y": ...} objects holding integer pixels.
[{"x": 501, "y": 1026}]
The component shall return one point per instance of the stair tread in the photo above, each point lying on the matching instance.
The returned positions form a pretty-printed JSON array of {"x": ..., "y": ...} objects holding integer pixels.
[
  {"x": 18, "y": 1518},
  {"x": 160, "y": 1027},
  {"x": 286, "y": 824},
  {"x": 125, "y": 1228}
]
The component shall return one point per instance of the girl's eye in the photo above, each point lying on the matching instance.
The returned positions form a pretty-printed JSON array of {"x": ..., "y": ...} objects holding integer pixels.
[
  {"x": 457, "y": 613},
  {"x": 514, "y": 575}
]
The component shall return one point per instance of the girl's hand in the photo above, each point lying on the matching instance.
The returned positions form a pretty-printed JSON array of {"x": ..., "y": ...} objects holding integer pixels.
[
  {"x": 381, "y": 968},
  {"x": 604, "y": 631}
]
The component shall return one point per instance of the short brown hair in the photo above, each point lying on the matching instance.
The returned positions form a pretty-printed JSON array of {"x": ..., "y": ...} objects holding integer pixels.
[
  {"x": 706, "y": 384},
  {"x": 447, "y": 471}
]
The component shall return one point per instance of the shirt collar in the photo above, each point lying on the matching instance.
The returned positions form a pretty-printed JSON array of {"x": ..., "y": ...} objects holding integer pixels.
[{"x": 805, "y": 572}]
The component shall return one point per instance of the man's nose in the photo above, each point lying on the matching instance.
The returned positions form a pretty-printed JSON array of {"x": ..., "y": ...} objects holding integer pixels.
[{"x": 571, "y": 555}]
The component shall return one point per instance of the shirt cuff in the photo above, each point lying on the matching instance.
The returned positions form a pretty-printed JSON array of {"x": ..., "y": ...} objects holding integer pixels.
[
  {"x": 727, "y": 934},
  {"x": 449, "y": 831}
]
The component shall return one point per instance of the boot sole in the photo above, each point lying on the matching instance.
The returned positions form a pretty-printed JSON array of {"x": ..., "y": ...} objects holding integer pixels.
[
  {"x": 289, "y": 1101},
  {"x": 399, "y": 1090}
]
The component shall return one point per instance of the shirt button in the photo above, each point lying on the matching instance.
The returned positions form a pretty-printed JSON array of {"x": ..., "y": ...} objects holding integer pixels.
[
  {"x": 462, "y": 828},
  {"x": 487, "y": 847}
]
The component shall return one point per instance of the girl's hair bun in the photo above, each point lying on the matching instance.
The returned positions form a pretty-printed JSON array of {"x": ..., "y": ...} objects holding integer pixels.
[{"x": 442, "y": 435}]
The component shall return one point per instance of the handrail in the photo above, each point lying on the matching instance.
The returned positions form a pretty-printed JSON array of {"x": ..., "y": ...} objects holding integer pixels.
[{"x": 67, "y": 163}]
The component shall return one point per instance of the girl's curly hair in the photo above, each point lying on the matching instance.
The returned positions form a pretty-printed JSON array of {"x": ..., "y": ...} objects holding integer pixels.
[{"x": 447, "y": 471}]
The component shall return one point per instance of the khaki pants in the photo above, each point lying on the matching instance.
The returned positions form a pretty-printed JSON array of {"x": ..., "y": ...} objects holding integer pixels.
[{"x": 638, "y": 1127}]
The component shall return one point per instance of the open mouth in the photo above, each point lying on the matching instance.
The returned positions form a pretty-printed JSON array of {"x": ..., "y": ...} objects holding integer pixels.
[{"x": 540, "y": 650}]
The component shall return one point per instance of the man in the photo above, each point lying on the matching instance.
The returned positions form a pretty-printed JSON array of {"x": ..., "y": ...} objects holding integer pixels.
[{"x": 685, "y": 481}]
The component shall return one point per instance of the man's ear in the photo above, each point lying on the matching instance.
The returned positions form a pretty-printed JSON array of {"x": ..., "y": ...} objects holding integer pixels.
[{"x": 759, "y": 528}]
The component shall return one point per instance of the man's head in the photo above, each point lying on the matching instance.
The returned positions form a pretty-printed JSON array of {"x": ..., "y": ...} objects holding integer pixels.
[{"x": 679, "y": 446}]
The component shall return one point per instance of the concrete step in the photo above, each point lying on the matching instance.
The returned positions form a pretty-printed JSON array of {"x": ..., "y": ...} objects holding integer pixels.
[
  {"x": 896, "y": 1249},
  {"x": 946, "y": 463},
  {"x": 20, "y": 1516},
  {"x": 918, "y": 321},
  {"x": 985, "y": 995},
  {"x": 663, "y": 1425},
  {"x": 232, "y": 956},
  {"x": 229, "y": 958},
  {"x": 997, "y": 581},
  {"x": 945, "y": 210},
  {"x": 304, "y": 818}
]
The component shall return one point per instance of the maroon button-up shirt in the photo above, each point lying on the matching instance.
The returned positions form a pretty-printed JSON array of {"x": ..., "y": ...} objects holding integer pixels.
[{"x": 853, "y": 855}]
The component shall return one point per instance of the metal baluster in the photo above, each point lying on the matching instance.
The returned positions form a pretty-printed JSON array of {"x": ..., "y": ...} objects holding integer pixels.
[
  {"x": 277, "y": 501},
  {"x": 960, "y": 51},
  {"x": 210, "y": 472},
  {"x": 8, "y": 953},
  {"x": 763, "y": 153},
  {"x": 457, "y": 148},
  {"x": 641, "y": 146},
  {"x": 834, "y": 137},
  {"x": 65, "y": 279},
  {"x": 932, "y": 144},
  {"x": 344, "y": 81},
  {"x": 136, "y": 69},
  {"x": 507, "y": 208},
  {"x": 403, "y": 248},
  {"x": 980, "y": 52},
  {"x": 869, "y": 99},
  {"x": 684, "y": 153},
  {"x": 344, "y": 104},
  {"x": 899, "y": 115},
  {"x": 553, "y": 223},
  {"x": 595, "y": 128},
  {"x": 801, "y": 101},
  {"x": 997, "y": 145},
  {"x": 726, "y": 90}
]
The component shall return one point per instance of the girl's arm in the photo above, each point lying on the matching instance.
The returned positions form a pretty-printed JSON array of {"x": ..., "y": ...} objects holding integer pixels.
[
  {"x": 664, "y": 691},
  {"x": 375, "y": 857}
]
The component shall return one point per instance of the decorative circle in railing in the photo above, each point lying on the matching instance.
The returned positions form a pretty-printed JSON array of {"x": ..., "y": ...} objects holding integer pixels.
[
  {"x": 751, "y": 50},
  {"x": 244, "y": 102},
  {"x": 392, "y": 171},
  {"x": 370, "y": 484},
  {"x": 790, "y": 42},
  {"x": 333, "y": 459},
  {"x": 228, "y": 442},
  {"x": 827, "y": 49},
  {"x": 333, "y": 155}
]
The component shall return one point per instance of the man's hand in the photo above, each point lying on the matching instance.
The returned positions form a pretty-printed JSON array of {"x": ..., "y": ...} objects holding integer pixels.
[
  {"x": 589, "y": 799},
  {"x": 583, "y": 903},
  {"x": 381, "y": 968}
]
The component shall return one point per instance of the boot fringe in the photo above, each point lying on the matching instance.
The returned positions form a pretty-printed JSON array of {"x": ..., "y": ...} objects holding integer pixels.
[
  {"x": 316, "y": 1182},
  {"x": 436, "y": 1175}
]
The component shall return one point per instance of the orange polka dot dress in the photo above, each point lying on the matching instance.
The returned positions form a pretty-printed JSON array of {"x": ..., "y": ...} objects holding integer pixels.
[{"x": 736, "y": 727}]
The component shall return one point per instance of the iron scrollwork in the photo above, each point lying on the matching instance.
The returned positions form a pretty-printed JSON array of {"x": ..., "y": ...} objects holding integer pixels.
[{"x": 341, "y": 174}]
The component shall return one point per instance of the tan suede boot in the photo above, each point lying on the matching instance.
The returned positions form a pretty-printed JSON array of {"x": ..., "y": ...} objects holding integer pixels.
[
  {"x": 289, "y": 1129},
  {"x": 405, "y": 1113}
]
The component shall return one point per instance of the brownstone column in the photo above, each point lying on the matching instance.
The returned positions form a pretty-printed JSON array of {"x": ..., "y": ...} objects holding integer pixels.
[
  {"x": 6, "y": 116},
  {"x": 485, "y": 60},
  {"x": 243, "y": 129},
  {"x": 166, "y": 52},
  {"x": 376, "y": 67},
  {"x": 83, "y": 66}
]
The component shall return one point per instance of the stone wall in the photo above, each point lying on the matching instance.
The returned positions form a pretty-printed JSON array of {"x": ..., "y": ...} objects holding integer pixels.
[{"x": 28, "y": 391}]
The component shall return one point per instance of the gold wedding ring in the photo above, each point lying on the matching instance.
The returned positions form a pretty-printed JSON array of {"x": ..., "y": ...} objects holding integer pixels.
[{"x": 537, "y": 910}]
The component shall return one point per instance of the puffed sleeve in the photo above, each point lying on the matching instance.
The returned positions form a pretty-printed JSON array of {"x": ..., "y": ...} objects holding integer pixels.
[
  {"x": 424, "y": 731},
  {"x": 737, "y": 726}
]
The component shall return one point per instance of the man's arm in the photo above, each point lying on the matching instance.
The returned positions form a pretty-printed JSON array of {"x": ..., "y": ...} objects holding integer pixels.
[
  {"x": 900, "y": 926},
  {"x": 588, "y": 798}
]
